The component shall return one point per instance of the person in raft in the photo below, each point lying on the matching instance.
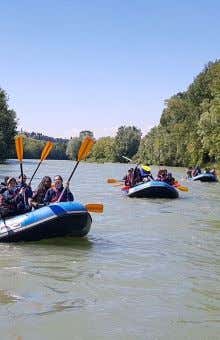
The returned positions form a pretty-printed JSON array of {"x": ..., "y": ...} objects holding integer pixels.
[
  {"x": 197, "y": 171},
  {"x": 22, "y": 183},
  {"x": 53, "y": 194},
  {"x": 170, "y": 179},
  {"x": 162, "y": 175},
  {"x": 129, "y": 177},
  {"x": 213, "y": 171},
  {"x": 189, "y": 172},
  {"x": 3, "y": 185},
  {"x": 38, "y": 196},
  {"x": 12, "y": 199},
  {"x": 146, "y": 174}
]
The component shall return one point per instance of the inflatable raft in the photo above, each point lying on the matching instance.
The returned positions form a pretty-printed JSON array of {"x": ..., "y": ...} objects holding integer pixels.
[
  {"x": 205, "y": 177},
  {"x": 156, "y": 189},
  {"x": 55, "y": 220}
]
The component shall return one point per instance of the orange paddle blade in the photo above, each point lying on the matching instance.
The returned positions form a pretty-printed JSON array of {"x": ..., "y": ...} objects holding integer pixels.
[
  {"x": 112, "y": 180},
  {"x": 181, "y": 187},
  {"x": 85, "y": 148},
  {"x": 19, "y": 147},
  {"x": 46, "y": 150},
  {"x": 95, "y": 207}
]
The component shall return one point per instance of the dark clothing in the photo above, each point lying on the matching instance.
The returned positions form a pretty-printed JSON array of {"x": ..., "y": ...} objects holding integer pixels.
[
  {"x": 197, "y": 171},
  {"x": 146, "y": 174},
  {"x": 189, "y": 173},
  {"x": 27, "y": 194},
  {"x": 53, "y": 194},
  {"x": 12, "y": 203},
  {"x": 129, "y": 179},
  {"x": 137, "y": 176},
  {"x": 3, "y": 188},
  {"x": 170, "y": 180},
  {"x": 39, "y": 195}
]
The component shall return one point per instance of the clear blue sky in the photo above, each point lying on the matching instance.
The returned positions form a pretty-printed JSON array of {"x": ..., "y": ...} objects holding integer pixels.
[{"x": 99, "y": 64}]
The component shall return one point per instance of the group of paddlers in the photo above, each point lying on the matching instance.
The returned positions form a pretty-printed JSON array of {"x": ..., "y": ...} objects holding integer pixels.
[
  {"x": 193, "y": 172},
  {"x": 143, "y": 173},
  {"x": 17, "y": 197}
]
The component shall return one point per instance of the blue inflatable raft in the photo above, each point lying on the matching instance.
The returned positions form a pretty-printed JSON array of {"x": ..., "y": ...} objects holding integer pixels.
[
  {"x": 154, "y": 189},
  {"x": 205, "y": 177},
  {"x": 55, "y": 220}
]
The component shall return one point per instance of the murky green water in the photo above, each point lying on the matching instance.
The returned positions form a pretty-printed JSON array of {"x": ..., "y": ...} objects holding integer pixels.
[{"x": 149, "y": 268}]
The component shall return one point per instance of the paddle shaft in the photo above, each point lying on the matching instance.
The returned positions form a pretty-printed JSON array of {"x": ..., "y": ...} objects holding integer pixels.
[
  {"x": 22, "y": 174},
  {"x": 74, "y": 169},
  {"x": 69, "y": 179},
  {"x": 128, "y": 159},
  {"x": 34, "y": 173}
]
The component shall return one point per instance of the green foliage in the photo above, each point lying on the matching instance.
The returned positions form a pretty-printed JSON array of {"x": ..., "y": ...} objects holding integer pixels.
[
  {"x": 127, "y": 142},
  {"x": 40, "y": 136},
  {"x": 73, "y": 147},
  {"x": 58, "y": 151},
  {"x": 103, "y": 150},
  {"x": 85, "y": 133},
  {"x": 7, "y": 127},
  {"x": 33, "y": 149},
  {"x": 74, "y": 143},
  {"x": 189, "y": 129}
]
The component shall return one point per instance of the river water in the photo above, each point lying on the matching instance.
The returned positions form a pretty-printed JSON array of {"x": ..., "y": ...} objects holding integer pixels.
[{"x": 148, "y": 269}]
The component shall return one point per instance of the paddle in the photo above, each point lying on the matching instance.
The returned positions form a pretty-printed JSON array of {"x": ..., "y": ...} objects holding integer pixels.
[
  {"x": 19, "y": 151},
  {"x": 144, "y": 167},
  {"x": 84, "y": 150},
  {"x": 94, "y": 207},
  {"x": 45, "y": 152},
  {"x": 115, "y": 182},
  {"x": 112, "y": 180},
  {"x": 181, "y": 187},
  {"x": 128, "y": 159}
]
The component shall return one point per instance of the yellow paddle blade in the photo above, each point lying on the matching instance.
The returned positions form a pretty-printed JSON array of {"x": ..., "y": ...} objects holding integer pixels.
[
  {"x": 95, "y": 207},
  {"x": 146, "y": 167},
  {"x": 183, "y": 188},
  {"x": 85, "y": 148},
  {"x": 19, "y": 147},
  {"x": 112, "y": 180},
  {"x": 46, "y": 150},
  {"x": 180, "y": 187}
]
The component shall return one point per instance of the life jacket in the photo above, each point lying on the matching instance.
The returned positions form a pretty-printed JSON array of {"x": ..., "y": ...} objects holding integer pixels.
[{"x": 129, "y": 179}]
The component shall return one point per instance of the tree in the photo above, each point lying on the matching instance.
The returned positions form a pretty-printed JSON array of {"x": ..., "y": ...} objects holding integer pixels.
[
  {"x": 103, "y": 150},
  {"x": 85, "y": 133},
  {"x": 74, "y": 144},
  {"x": 73, "y": 147},
  {"x": 127, "y": 142},
  {"x": 189, "y": 129},
  {"x": 8, "y": 126}
]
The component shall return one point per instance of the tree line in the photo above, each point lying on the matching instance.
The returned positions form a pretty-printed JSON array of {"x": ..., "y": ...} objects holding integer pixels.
[{"x": 188, "y": 132}]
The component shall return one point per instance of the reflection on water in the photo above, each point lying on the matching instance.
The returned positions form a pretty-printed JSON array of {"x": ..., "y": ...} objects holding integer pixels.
[{"x": 155, "y": 259}]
